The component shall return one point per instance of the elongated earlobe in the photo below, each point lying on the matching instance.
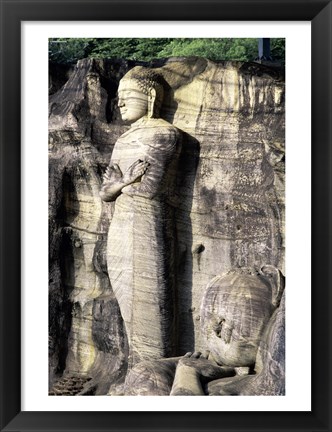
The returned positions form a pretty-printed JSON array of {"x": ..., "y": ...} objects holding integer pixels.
[
  {"x": 277, "y": 281},
  {"x": 152, "y": 103}
]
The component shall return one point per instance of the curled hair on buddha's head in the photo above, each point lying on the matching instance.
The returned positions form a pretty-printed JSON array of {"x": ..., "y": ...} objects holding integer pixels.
[{"x": 150, "y": 83}]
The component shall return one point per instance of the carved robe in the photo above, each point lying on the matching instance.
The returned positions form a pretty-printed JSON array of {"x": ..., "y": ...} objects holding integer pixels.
[{"x": 141, "y": 240}]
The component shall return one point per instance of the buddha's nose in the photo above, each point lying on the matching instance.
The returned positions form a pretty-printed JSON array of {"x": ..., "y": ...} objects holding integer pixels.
[{"x": 121, "y": 103}]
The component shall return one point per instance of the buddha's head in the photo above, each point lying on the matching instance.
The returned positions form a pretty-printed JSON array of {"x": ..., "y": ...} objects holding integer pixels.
[
  {"x": 140, "y": 94},
  {"x": 235, "y": 310}
]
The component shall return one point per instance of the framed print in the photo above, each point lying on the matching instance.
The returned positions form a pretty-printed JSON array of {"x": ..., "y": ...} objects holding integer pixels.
[{"x": 157, "y": 241}]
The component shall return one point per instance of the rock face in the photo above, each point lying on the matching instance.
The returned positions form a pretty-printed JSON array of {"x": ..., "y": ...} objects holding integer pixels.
[
  {"x": 269, "y": 377},
  {"x": 227, "y": 203},
  {"x": 236, "y": 309}
]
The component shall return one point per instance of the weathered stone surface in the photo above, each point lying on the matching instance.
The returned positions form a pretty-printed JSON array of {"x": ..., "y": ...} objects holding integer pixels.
[
  {"x": 269, "y": 379},
  {"x": 78, "y": 271},
  {"x": 227, "y": 205},
  {"x": 236, "y": 201},
  {"x": 70, "y": 385},
  {"x": 151, "y": 378},
  {"x": 246, "y": 343},
  {"x": 235, "y": 310}
]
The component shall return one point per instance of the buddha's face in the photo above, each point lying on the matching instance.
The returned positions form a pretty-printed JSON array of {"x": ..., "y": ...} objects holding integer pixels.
[
  {"x": 236, "y": 319},
  {"x": 132, "y": 102}
]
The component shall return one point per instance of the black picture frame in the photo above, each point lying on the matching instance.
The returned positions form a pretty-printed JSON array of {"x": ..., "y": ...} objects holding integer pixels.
[{"x": 319, "y": 12}]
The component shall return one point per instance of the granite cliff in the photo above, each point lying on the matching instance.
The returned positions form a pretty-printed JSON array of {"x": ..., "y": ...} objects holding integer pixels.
[{"x": 228, "y": 202}]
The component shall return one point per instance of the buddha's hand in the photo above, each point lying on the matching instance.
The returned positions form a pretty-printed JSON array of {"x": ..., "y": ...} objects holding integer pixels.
[
  {"x": 193, "y": 372},
  {"x": 113, "y": 173},
  {"x": 207, "y": 369},
  {"x": 135, "y": 172}
]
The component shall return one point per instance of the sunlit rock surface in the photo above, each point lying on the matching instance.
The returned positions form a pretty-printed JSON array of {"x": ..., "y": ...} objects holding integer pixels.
[{"x": 228, "y": 200}]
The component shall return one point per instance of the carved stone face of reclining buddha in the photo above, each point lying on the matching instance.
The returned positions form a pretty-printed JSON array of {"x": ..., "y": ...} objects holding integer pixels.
[
  {"x": 133, "y": 103},
  {"x": 235, "y": 311}
]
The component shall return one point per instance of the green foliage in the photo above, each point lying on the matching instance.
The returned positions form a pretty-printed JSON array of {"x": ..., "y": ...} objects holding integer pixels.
[
  {"x": 149, "y": 48},
  {"x": 213, "y": 49},
  {"x": 62, "y": 50},
  {"x": 113, "y": 48},
  {"x": 278, "y": 49}
]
